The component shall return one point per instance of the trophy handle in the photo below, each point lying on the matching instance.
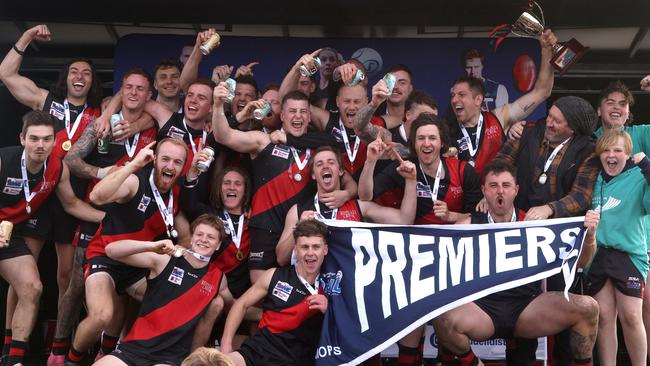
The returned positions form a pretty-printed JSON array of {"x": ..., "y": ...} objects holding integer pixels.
[{"x": 541, "y": 12}]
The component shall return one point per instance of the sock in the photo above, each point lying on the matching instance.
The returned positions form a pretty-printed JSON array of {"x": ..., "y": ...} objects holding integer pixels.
[
  {"x": 17, "y": 352},
  {"x": 373, "y": 361},
  {"x": 108, "y": 343},
  {"x": 7, "y": 342},
  {"x": 581, "y": 362},
  {"x": 60, "y": 346},
  {"x": 75, "y": 356},
  {"x": 468, "y": 358},
  {"x": 446, "y": 357},
  {"x": 407, "y": 355}
]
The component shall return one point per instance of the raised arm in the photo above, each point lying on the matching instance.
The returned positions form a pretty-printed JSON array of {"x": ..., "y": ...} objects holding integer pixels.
[
  {"x": 290, "y": 81},
  {"x": 252, "y": 296},
  {"x": 72, "y": 204},
  {"x": 22, "y": 88},
  {"x": 366, "y": 180},
  {"x": 244, "y": 142},
  {"x": 286, "y": 243},
  {"x": 153, "y": 255},
  {"x": 406, "y": 214},
  {"x": 190, "y": 71},
  {"x": 526, "y": 104},
  {"x": 362, "y": 126},
  {"x": 81, "y": 149}
]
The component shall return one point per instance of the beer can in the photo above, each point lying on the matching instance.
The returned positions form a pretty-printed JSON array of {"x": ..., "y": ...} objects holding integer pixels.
[
  {"x": 390, "y": 80},
  {"x": 210, "y": 44},
  {"x": 260, "y": 113},
  {"x": 358, "y": 77},
  {"x": 114, "y": 119},
  {"x": 7, "y": 227},
  {"x": 104, "y": 144},
  {"x": 204, "y": 165},
  {"x": 312, "y": 70},
  {"x": 232, "y": 84}
]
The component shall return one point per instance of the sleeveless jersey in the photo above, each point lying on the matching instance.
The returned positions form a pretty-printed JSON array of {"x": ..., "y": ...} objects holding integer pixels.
[
  {"x": 174, "y": 128},
  {"x": 12, "y": 198},
  {"x": 333, "y": 127},
  {"x": 226, "y": 258},
  {"x": 453, "y": 195},
  {"x": 490, "y": 143},
  {"x": 54, "y": 106},
  {"x": 172, "y": 305},
  {"x": 519, "y": 292},
  {"x": 289, "y": 330},
  {"x": 275, "y": 186},
  {"x": 137, "y": 219}
]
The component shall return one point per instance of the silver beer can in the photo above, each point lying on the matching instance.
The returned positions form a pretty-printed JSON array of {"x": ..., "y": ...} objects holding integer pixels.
[
  {"x": 232, "y": 84},
  {"x": 204, "y": 165},
  {"x": 390, "y": 80},
  {"x": 304, "y": 71},
  {"x": 260, "y": 113},
  {"x": 210, "y": 44}
]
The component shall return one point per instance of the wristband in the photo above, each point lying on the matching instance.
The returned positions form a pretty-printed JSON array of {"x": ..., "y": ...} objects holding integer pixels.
[{"x": 22, "y": 53}]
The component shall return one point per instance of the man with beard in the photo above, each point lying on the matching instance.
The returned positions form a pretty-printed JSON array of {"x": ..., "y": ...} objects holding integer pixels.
[
  {"x": 144, "y": 202},
  {"x": 167, "y": 82},
  {"x": 522, "y": 311},
  {"x": 280, "y": 173},
  {"x": 478, "y": 135},
  {"x": 30, "y": 174}
]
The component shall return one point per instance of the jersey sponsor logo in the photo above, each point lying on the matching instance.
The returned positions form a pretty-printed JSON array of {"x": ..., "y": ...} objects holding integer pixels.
[
  {"x": 57, "y": 110},
  {"x": 338, "y": 135},
  {"x": 633, "y": 283},
  {"x": 144, "y": 203},
  {"x": 609, "y": 204},
  {"x": 422, "y": 190},
  {"x": 176, "y": 277},
  {"x": 192, "y": 274},
  {"x": 175, "y": 133},
  {"x": 491, "y": 131},
  {"x": 462, "y": 144},
  {"x": 256, "y": 255},
  {"x": 280, "y": 152},
  {"x": 206, "y": 288},
  {"x": 32, "y": 223},
  {"x": 13, "y": 186},
  {"x": 282, "y": 291}
]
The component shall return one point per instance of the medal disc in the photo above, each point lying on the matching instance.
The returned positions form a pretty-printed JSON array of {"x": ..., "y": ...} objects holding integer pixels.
[
  {"x": 239, "y": 255},
  {"x": 28, "y": 209},
  {"x": 542, "y": 179},
  {"x": 174, "y": 233},
  {"x": 66, "y": 145},
  {"x": 472, "y": 163},
  {"x": 178, "y": 252},
  {"x": 297, "y": 177}
]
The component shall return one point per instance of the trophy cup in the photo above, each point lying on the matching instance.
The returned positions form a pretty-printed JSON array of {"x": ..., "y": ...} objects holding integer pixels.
[{"x": 530, "y": 24}]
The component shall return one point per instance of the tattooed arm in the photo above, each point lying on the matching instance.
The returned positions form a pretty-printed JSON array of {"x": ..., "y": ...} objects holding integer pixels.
[
  {"x": 362, "y": 126},
  {"x": 526, "y": 104},
  {"x": 81, "y": 149}
]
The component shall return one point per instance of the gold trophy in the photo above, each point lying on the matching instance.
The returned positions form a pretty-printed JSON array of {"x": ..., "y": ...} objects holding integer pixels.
[{"x": 530, "y": 24}]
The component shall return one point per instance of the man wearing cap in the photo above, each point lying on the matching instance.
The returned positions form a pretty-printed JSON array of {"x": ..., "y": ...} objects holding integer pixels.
[{"x": 556, "y": 171}]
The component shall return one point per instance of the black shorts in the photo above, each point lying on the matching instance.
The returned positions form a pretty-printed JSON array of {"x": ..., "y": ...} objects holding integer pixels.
[
  {"x": 239, "y": 280},
  {"x": 612, "y": 264},
  {"x": 504, "y": 311},
  {"x": 123, "y": 276},
  {"x": 16, "y": 248},
  {"x": 132, "y": 359},
  {"x": 86, "y": 231},
  {"x": 262, "y": 249},
  {"x": 51, "y": 222}
]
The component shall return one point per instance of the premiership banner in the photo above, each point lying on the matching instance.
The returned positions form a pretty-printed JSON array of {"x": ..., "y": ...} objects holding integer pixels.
[{"x": 383, "y": 281}]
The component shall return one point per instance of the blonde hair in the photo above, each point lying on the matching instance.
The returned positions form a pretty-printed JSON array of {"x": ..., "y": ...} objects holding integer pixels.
[
  {"x": 204, "y": 356},
  {"x": 610, "y": 137}
]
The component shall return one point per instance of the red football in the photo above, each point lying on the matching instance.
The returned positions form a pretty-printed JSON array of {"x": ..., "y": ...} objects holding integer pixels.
[{"x": 524, "y": 73}]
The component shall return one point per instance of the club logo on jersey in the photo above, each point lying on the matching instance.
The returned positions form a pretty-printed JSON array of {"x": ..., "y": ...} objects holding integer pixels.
[
  {"x": 280, "y": 152},
  {"x": 175, "y": 133},
  {"x": 206, "y": 288},
  {"x": 176, "y": 277},
  {"x": 13, "y": 186},
  {"x": 282, "y": 291},
  {"x": 144, "y": 203},
  {"x": 422, "y": 190},
  {"x": 57, "y": 110},
  {"x": 609, "y": 204}
]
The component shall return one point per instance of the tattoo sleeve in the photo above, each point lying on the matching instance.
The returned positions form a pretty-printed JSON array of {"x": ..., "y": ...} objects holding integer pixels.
[
  {"x": 402, "y": 150},
  {"x": 81, "y": 149},
  {"x": 364, "y": 129}
]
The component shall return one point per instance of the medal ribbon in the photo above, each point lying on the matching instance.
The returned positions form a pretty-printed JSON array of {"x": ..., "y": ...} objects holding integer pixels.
[
  {"x": 317, "y": 207},
  {"x": 550, "y": 159},
  {"x": 70, "y": 131},
  {"x": 191, "y": 138},
  {"x": 402, "y": 132},
  {"x": 236, "y": 238},
  {"x": 23, "y": 171},
  {"x": 436, "y": 182},
  {"x": 312, "y": 289},
  {"x": 300, "y": 163},
  {"x": 470, "y": 147},
  {"x": 130, "y": 149},
  {"x": 352, "y": 153},
  {"x": 167, "y": 212}
]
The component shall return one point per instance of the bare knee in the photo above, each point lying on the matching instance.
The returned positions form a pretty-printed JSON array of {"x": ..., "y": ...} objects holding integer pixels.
[
  {"x": 587, "y": 308},
  {"x": 30, "y": 291}
]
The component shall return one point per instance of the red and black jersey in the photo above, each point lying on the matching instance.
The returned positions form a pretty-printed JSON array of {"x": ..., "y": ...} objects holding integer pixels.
[
  {"x": 174, "y": 128},
  {"x": 289, "y": 330},
  {"x": 275, "y": 186},
  {"x": 172, "y": 305},
  {"x": 137, "y": 219},
  {"x": 12, "y": 198},
  {"x": 492, "y": 138},
  {"x": 460, "y": 189},
  {"x": 55, "y": 107},
  {"x": 519, "y": 292},
  {"x": 333, "y": 127},
  {"x": 349, "y": 211}
]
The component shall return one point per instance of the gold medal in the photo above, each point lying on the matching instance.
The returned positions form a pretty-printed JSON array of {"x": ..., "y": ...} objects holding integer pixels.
[
  {"x": 66, "y": 145},
  {"x": 239, "y": 255}
]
